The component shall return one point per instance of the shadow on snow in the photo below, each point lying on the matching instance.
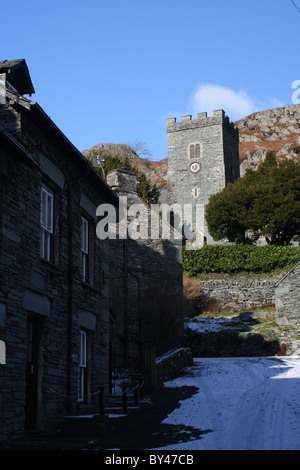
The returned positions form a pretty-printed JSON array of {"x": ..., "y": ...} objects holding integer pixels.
[{"x": 148, "y": 431}]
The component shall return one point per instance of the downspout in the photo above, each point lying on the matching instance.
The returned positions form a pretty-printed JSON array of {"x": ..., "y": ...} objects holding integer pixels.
[
  {"x": 70, "y": 303},
  {"x": 70, "y": 291},
  {"x": 139, "y": 314},
  {"x": 125, "y": 304}
]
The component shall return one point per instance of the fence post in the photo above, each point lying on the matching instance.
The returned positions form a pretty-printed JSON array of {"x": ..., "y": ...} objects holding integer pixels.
[
  {"x": 101, "y": 401},
  {"x": 136, "y": 395},
  {"x": 124, "y": 397}
]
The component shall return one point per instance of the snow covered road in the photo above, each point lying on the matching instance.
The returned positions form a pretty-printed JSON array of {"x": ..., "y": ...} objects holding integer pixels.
[{"x": 241, "y": 403}]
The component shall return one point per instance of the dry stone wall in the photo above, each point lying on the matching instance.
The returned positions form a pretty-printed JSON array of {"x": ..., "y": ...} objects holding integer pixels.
[{"x": 237, "y": 292}]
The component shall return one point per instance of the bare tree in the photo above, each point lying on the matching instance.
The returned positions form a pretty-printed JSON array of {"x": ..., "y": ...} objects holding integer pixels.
[{"x": 140, "y": 148}]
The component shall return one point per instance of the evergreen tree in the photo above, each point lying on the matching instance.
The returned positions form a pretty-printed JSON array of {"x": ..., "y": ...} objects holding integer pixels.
[
  {"x": 265, "y": 202},
  {"x": 146, "y": 191}
]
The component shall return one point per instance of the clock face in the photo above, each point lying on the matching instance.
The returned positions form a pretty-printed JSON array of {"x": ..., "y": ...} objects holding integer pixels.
[{"x": 195, "y": 167}]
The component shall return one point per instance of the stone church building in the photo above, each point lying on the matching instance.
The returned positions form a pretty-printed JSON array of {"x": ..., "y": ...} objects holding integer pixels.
[{"x": 203, "y": 157}]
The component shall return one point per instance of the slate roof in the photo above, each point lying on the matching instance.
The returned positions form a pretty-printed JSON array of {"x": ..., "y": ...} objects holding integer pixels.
[
  {"x": 18, "y": 75},
  {"x": 9, "y": 142},
  {"x": 18, "y": 70}
]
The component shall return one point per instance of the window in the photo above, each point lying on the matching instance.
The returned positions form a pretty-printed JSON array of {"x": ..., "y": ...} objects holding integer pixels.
[
  {"x": 196, "y": 193},
  {"x": 194, "y": 151},
  {"x": 46, "y": 224},
  {"x": 82, "y": 366},
  {"x": 85, "y": 249}
]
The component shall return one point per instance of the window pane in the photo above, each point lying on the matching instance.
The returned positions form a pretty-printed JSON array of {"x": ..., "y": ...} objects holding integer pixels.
[
  {"x": 43, "y": 208},
  {"x": 82, "y": 389},
  {"x": 81, "y": 384},
  {"x": 192, "y": 151},
  {"x": 47, "y": 210},
  {"x": 50, "y": 212},
  {"x": 47, "y": 247},
  {"x": 42, "y": 251},
  {"x": 82, "y": 359},
  {"x": 197, "y": 151},
  {"x": 84, "y": 267},
  {"x": 46, "y": 224},
  {"x": 84, "y": 235}
]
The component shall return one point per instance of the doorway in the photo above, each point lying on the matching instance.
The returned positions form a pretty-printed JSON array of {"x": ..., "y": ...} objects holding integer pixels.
[{"x": 33, "y": 372}]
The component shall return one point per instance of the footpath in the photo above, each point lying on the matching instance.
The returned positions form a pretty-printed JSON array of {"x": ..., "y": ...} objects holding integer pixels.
[{"x": 141, "y": 430}]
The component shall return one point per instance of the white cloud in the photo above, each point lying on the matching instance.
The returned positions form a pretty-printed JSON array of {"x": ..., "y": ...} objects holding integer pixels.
[
  {"x": 236, "y": 104},
  {"x": 209, "y": 97}
]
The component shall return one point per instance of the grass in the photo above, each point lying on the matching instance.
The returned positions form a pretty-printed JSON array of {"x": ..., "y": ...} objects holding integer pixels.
[
  {"x": 235, "y": 313},
  {"x": 261, "y": 322}
]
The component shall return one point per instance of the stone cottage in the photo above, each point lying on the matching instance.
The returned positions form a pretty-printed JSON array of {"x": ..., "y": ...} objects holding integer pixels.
[
  {"x": 54, "y": 292},
  {"x": 287, "y": 298},
  {"x": 146, "y": 285}
]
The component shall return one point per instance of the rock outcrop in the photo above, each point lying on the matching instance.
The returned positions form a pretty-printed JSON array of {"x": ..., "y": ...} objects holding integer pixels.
[
  {"x": 155, "y": 171},
  {"x": 274, "y": 129}
]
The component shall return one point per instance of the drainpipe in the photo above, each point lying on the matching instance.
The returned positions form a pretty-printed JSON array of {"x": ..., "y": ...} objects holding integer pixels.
[
  {"x": 70, "y": 291},
  {"x": 70, "y": 303},
  {"x": 125, "y": 304},
  {"x": 139, "y": 314}
]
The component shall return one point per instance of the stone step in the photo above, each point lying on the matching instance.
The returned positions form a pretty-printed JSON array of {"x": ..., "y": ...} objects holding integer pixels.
[{"x": 95, "y": 424}]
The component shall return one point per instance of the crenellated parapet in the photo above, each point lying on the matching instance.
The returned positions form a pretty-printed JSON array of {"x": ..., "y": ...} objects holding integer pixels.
[{"x": 218, "y": 118}]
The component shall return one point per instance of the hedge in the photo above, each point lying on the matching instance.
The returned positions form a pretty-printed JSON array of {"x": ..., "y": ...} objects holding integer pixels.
[{"x": 239, "y": 258}]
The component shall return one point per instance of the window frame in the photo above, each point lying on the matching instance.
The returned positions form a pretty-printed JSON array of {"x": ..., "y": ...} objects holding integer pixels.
[
  {"x": 82, "y": 365},
  {"x": 195, "y": 150},
  {"x": 47, "y": 223},
  {"x": 85, "y": 249},
  {"x": 87, "y": 246}
]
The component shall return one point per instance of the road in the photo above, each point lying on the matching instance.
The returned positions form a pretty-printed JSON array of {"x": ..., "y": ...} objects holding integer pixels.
[
  {"x": 238, "y": 404},
  {"x": 218, "y": 404}
]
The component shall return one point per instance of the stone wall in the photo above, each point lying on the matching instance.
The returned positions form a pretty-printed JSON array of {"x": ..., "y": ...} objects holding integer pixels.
[
  {"x": 146, "y": 291},
  {"x": 234, "y": 292},
  {"x": 232, "y": 343},
  {"x": 173, "y": 363}
]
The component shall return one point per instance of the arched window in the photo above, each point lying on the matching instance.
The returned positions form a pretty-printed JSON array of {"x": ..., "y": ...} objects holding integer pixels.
[{"x": 194, "y": 150}]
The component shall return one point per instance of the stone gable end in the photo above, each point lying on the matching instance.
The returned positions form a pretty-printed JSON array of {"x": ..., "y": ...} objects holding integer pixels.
[{"x": 287, "y": 299}]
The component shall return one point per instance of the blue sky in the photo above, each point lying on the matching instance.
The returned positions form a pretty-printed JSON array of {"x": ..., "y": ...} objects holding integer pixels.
[{"x": 114, "y": 70}]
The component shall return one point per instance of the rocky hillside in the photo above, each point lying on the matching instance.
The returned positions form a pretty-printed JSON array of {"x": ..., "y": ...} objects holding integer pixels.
[{"x": 274, "y": 129}]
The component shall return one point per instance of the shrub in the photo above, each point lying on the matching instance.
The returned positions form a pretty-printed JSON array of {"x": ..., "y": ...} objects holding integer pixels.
[{"x": 239, "y": 258}]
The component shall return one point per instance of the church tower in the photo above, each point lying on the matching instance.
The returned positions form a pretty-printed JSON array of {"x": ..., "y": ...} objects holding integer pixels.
[{"x": 203, "y": 157}]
